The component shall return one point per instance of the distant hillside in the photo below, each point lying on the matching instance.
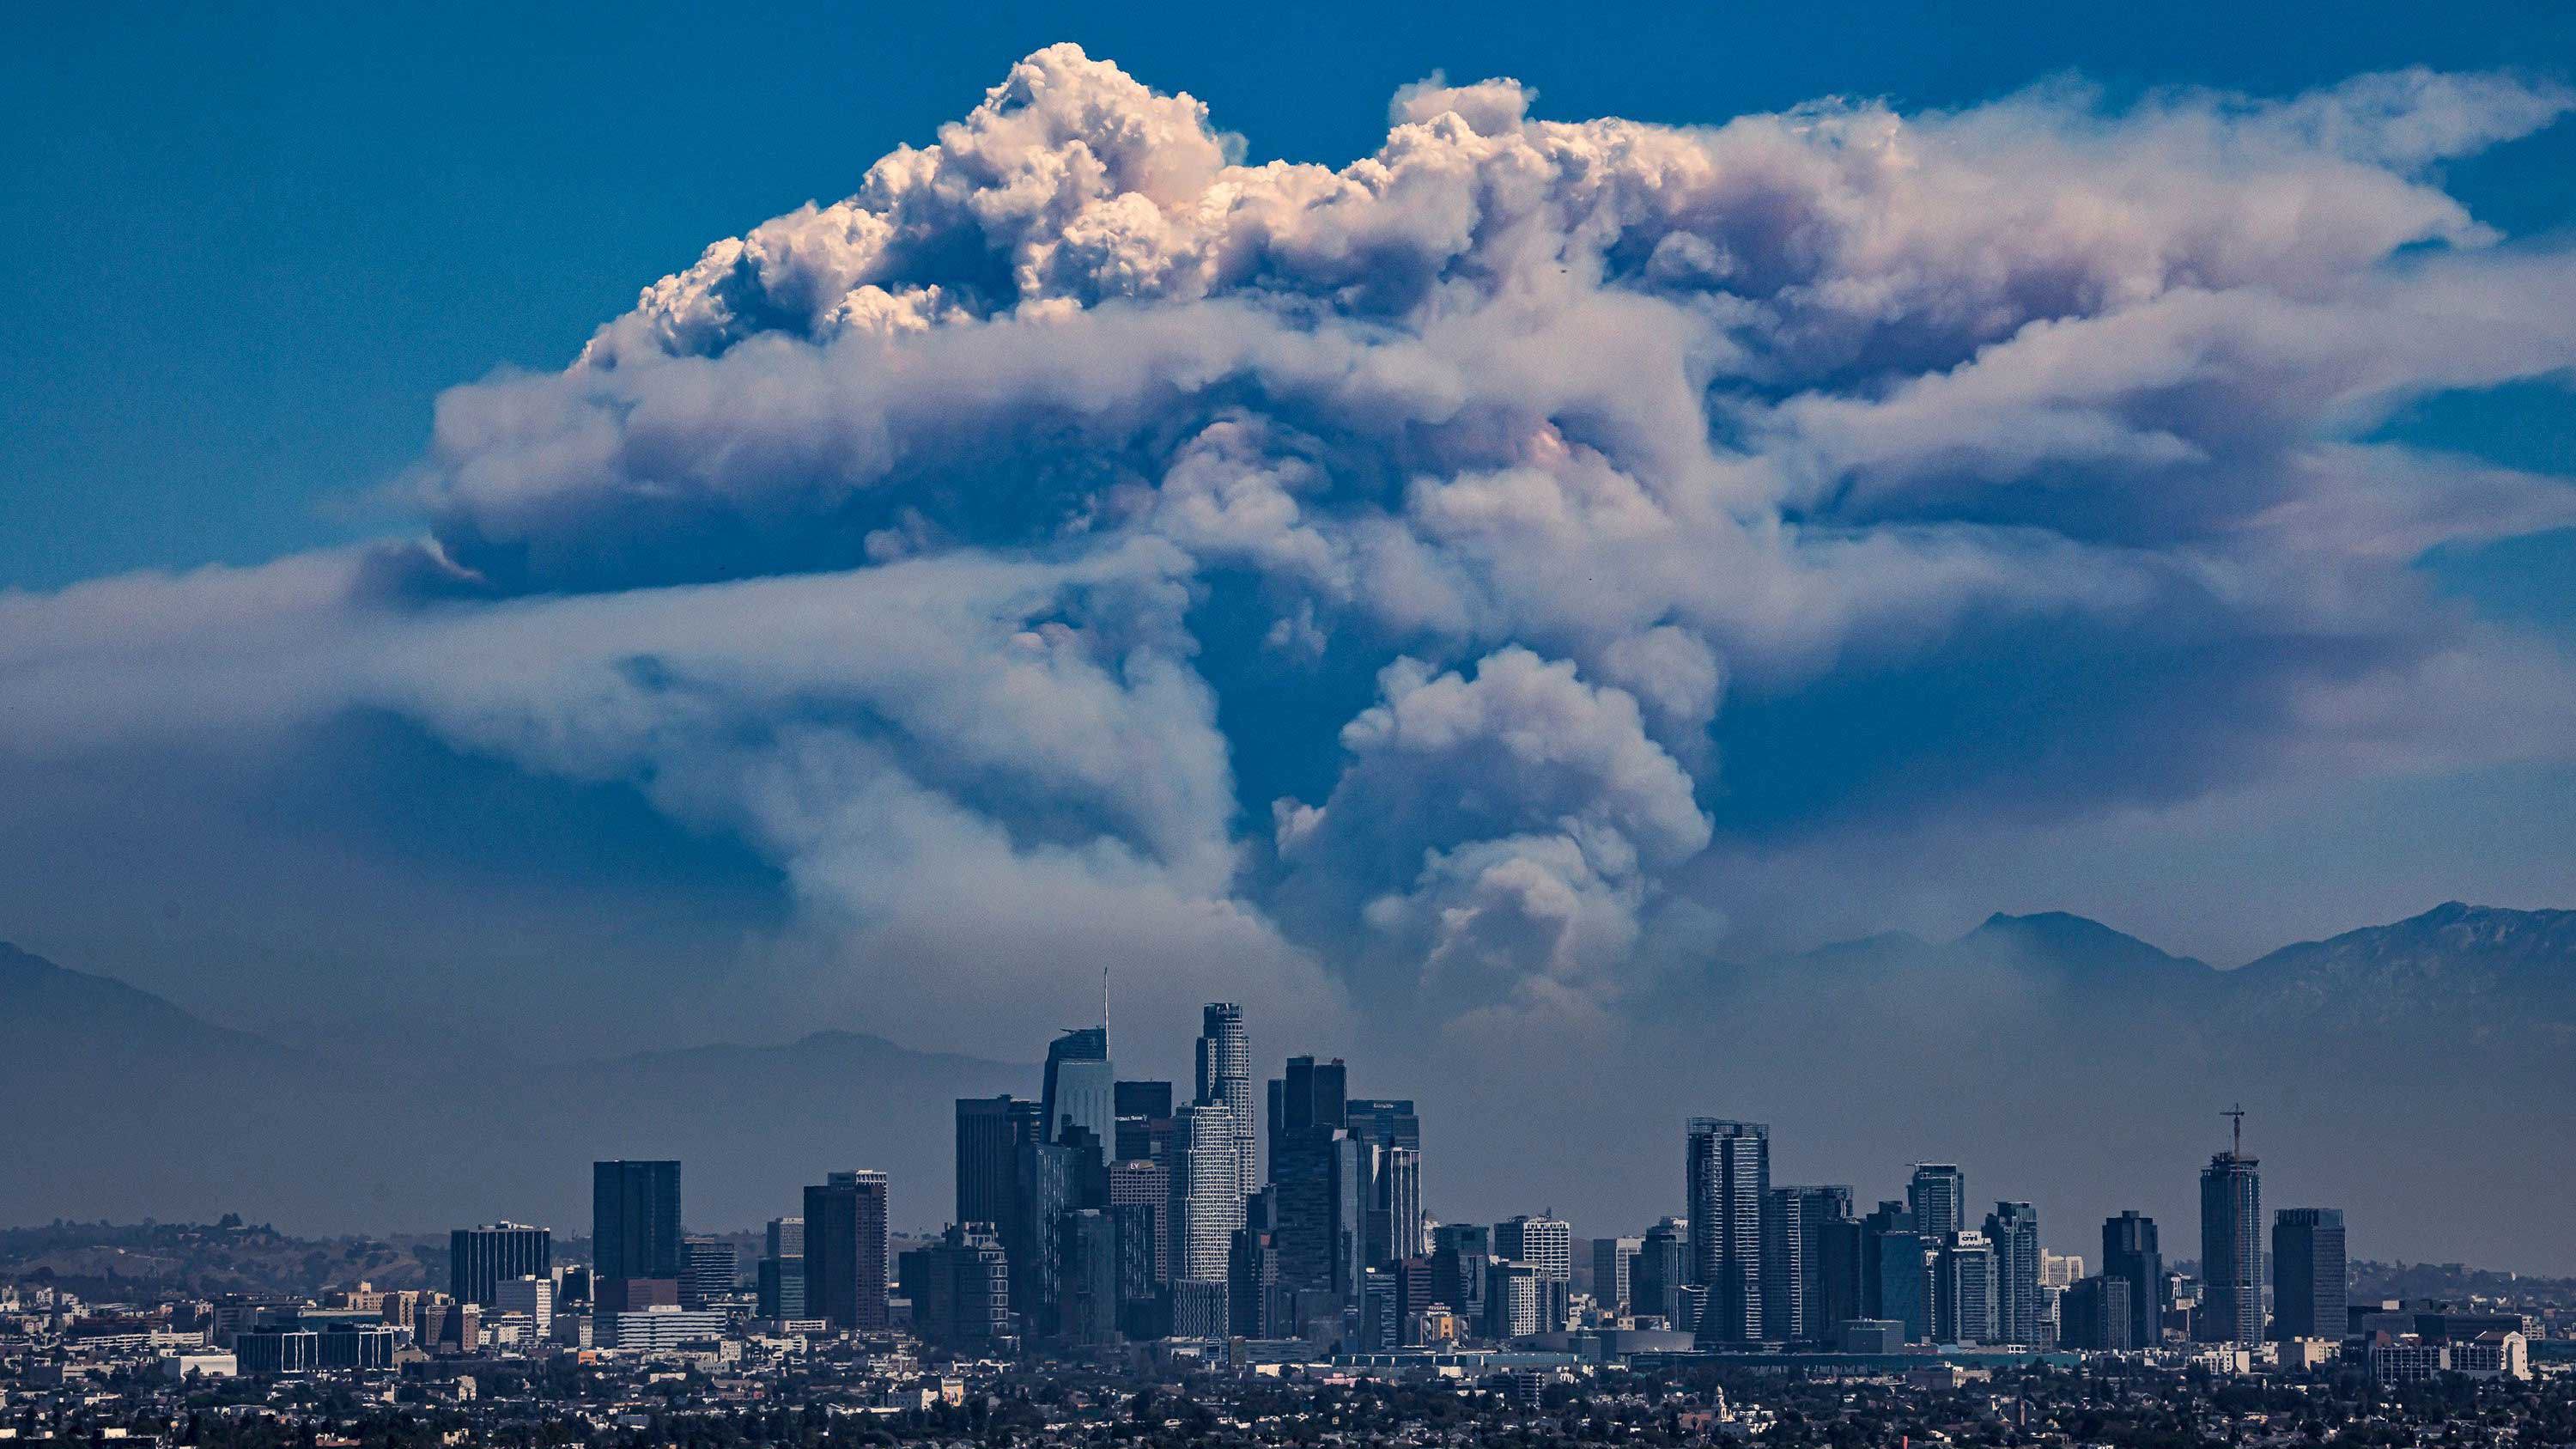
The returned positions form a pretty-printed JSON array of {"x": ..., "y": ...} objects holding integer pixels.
[
  {"x": 2475, "y": 969},
  {"x": 129, "y": 1106}
]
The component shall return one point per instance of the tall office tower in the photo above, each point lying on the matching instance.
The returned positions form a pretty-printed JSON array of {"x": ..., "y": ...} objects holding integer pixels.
[
  {"x": 961, "y": 1290},
  {"x": 1413, "y": 1299},
  {"x": 1727, "y": 1173},
  {"x": 1252, "y": 1285},
  {"x": 1545, "y": 1243},
  {"x": 1141, "y": 1266},
  {"x": 706, "y": 1271},
  {"x": 2020, "y": 1312},
  {"x": 2059, "y": 1270},
  {"x": 1083, "y": 1044},
  {"x": 1225, "y": 1075},
  {"x": 1207, "y": 1200},
  {"x": 1354, "y": 1187},
  {"x": 1963, "y": 1289},
  {"x": 1459, "y": 1254},
  {"x": 1515, "y": 1300},
  {"x": 989, "y": 1133},
  {"x": 1386, "y": 1121},
  {"x": 1395, "y": 1205},
  {"x": 1663, "y": 1270},
  {"x": 1834, "y": 1282},
  {"x": 1905, "y": 1259},
  {"x": 1889, "y": 1217},
  {"x": 1784, "y": 1265},
  {"x": 1614, "y": 1270},
  {"x": 782, "y": 1270},
  {"x": 1143, "y": 1099},
  {"x": 1049, "y": 1185},
  {"x": 1090, "y": 1277},
  {"x": 478, "y": 1259},
  {"x": 846, "y": 1243},
  {"x": 2231, "y": 1251},
  {"x": 2129, "y": 1254},
  {"x": 635, "y": 1220},
  {"x": 1147, "y": 1186},
  {"x": 1829, "y": 1272},
  {"x": 782, "y": 1287},
  {"x": 785, "y": 1238},
  {"x": 1307, "y": 1112},
  {"x": 1144, "y": 1122},
  {"x": 2095, "y": 1315},
  {"x": 2310, "y": 1289},
  {"x": 1937, "y": 1195}
]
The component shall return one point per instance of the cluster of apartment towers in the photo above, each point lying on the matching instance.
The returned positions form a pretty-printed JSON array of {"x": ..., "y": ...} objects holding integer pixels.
[{"x": 1107, "y": 1210}]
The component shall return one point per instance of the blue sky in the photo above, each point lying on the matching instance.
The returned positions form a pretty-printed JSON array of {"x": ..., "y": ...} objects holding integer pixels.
[
  {"x": 262, "y": 238},
  {"x": 1931, "y": 630}
]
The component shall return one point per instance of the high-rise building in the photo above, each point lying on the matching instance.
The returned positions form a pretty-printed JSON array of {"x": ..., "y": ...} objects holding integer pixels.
[
  {"x": 1515, "y": 1300},
  {"x": 2059, "y": 1270},
  {"x": 1663, "y": 1270},
  {"x": 990, "y": 1131},
  {"x": 1081, "y": 1088},
  {"x": 1963, "y": 1289},
  {"x": 961, "y": 1289},
  {"x": 1614, "y": 1267},
  {"x": 846, "y": 1242},
  {"x": 1784, "y": 1267},
  {"x": 1307, "y": 1112},
  {"x": 2129, "y": 1253},
  {"x": 782, "y": 1287},
  {"x": 2310, "y": 1286},
  {"x": 530, "y": 1294},
  {"x": 1546, "y": 1244},
  {"x": 1834, "y": 1277},
  {"x": 1937, "y": 1195},
  {"x": 1727, "y": 1173},
  {"x": 1084, "y": 1044},
  {"x": 1459, "y": 1255},
  {"x": 2231, "y": 1251},
  {"x": 2094, "y": 1315},
  {"x": 1144, "y": 1122},
  {"x": 1049, "y": 1185},
  {"x": 635, "y": 1219},
  {"x": 1147, "y": 1186},
  {"x": 706, "y": 1271},
  {"x": 1395, "y": 1206},
  {"x": 784, "y": 1238},
  {"x": 1252, "y": 1285},
  {"x": 1904, "y": 1273},
  {"x": 2020, "y": 1312},
  {"x": 1386, "y": 1121},
  {"x": 480, "y": 1258},
  {"x": 1206, "y": 1197},
  {"x": 1225, "y": 1075}
]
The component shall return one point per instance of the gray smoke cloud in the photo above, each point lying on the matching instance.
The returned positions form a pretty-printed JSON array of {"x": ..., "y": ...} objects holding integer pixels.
[{"x": 1415, "y": 581}]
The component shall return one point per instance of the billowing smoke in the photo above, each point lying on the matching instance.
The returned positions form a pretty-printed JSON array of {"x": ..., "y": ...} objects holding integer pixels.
[{"x": 1388, "y": 584}]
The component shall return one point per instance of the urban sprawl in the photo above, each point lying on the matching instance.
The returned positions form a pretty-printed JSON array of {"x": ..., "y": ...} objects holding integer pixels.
[{"x": 1123, "y": 1264}]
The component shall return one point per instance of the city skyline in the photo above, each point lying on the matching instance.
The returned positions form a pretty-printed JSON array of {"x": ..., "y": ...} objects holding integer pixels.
[{"x": 1960, "y": 587}]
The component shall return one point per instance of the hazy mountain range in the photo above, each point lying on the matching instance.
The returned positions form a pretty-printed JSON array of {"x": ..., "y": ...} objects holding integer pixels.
[{"x": 2417, "y": 1070}]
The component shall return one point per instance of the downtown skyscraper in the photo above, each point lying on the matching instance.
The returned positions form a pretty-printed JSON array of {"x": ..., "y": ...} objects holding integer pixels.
[
  {"x": 2012, "y": 1230},
  {"x": 2310, "y": 1290},
  {"x": 635, "y": 1220},
  {"x": 2231, "y": 1248},
  {"x": 846, "y": 1250},
  {"x": 1225, "y": 1076},
  {"x": 1726, "y": 1173}
]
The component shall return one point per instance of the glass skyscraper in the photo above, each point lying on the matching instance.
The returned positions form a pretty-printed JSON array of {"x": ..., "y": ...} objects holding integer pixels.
[
  {"x": 635, "y": 1219},
  {"x": 1727, "y": 1170},
  {"x": 2231, "y": 1251},
  {"x": 2311, "y": 1294},
  {"x": 2130, "y": 1254}
]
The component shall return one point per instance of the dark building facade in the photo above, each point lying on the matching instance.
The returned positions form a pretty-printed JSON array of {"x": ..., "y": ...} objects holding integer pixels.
[
  {"x": 2231, "y": 1251},
  {"x": 2013, "y": 1231},
  {"x": 2094, "y": 1314},
  {"x": 846, "y": 1250},
  {"x": 990, "y": 1131},
  {"x": 1727, "y": 1174},
  {"x": 2130, "y": 1254},
  {"x": 706, "y": 1270},
  {"x": 479, "y": 1259},
  {"x": 635, "y": 1219},
  {"x": 2311, "y": 1286}
]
